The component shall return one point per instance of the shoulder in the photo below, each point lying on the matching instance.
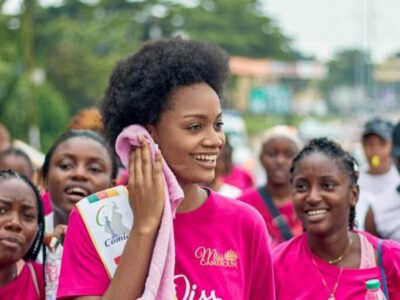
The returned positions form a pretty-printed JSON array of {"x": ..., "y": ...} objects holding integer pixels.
[
  {"x": 237, "y": 209},
  {"x": 249, "y": 194},
  {"x": 284, "y": 252}
]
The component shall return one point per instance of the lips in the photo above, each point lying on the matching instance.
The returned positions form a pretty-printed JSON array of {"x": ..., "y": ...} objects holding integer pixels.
[
  {"x": 11, "y": 242},
  {"x": 206, "y": 160},
  {"x": 75, "y": 193},
  {"x": 316, "y": 215}
]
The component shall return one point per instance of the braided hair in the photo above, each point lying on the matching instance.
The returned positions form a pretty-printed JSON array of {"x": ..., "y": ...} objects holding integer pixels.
[
  {"x": 340, "y": 156},
  {"x": 38, "y": 244}
]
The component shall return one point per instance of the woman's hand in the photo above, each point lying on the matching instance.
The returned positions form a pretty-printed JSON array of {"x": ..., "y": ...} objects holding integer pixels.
[
  {"x": 146, "y": 189},
  {"x": 56, "y": 238}
]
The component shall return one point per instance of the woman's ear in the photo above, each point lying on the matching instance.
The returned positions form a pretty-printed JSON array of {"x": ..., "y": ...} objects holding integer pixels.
[
  {"x": 152, "y": 131},
  {"x": 355, "y": 192}
]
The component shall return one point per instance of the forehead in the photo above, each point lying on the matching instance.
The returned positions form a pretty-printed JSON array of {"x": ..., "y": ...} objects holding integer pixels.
[
  {"x": 82, "y": 147},
  {"x": 16, "y": 189},
  {"x": 193, "y": 99},
  {"x": 319, "y": 163},
  {"x": 279, "y": 141}
]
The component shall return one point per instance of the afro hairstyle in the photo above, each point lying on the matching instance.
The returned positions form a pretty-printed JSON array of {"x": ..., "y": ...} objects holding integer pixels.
[{"x": 140, "y": 85}]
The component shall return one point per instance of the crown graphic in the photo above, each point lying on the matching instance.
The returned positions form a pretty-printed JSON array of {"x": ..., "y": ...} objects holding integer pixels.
[{"x": 230, "y": 255}]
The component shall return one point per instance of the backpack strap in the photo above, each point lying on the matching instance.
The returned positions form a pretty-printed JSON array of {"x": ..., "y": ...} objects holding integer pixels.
[
  {"x": 383, "y": 274},
  {"x": 34, "y": 278},
  {"x": 277, "y": 217}
]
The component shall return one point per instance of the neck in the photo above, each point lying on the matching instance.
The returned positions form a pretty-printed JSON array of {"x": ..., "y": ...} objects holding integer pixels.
[
  {"x": 8, "y": 274},
  {"x": 60, "y": 217},
  {"x": 385, "y": 168},
  {"x": 194, "y": 197},
  {"x": 279, "y": 192},
  {"x": 332, "y": 247}
]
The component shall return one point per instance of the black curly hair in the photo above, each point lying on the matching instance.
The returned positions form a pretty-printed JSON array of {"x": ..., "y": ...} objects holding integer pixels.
[
  {"x": 141, "y": 85},
  {"x": 85, "y": 133},
  {"x": 344, "y": 159},
  {"x": 38, "y": 242}
]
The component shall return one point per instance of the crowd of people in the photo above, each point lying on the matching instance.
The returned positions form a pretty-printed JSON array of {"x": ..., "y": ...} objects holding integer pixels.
[{"x": 141, "y": 199}]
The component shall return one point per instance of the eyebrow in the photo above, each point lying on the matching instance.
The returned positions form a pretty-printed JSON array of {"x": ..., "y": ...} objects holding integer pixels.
[
  {"x": 200, "y": 116},
  {"x": 73, "y": 157},
  {"x": 9, "y": 203}
]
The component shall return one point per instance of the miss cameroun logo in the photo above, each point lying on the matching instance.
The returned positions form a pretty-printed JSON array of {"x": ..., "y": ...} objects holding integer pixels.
[{"x": 111, "y": 220}]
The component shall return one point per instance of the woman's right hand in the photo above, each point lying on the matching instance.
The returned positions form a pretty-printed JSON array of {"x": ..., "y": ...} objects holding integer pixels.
[{"x": 146, "y": 189}]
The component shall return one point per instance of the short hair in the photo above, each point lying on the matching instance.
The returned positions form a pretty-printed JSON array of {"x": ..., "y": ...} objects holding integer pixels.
[
  {"x": 140, "y": 85},
  {"x": 38, "y": 241},
  {"x": 84, "y": 133},
  {"x": 17, "y": 152},
  {"x": 333, "y": 150}
]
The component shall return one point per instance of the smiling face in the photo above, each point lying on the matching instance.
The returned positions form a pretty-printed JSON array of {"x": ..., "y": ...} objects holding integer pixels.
[
  {"x": 189, "y": 133},
  {"x": 276, "y": 158},
  {"x": 18, "y": 220},
  {"x": 78, "y": 167},
  {"x": 322, "y": 194}
]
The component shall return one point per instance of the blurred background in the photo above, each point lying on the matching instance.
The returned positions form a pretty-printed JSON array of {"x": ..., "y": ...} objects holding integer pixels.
[{"x": 322, "y": 66}]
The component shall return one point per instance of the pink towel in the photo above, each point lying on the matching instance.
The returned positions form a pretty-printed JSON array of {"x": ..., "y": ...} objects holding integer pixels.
[{"x": 160, "y": 281}]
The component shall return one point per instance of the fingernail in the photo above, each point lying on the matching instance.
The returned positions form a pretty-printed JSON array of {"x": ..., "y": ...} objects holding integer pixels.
[{"x": 53, "y": 242}]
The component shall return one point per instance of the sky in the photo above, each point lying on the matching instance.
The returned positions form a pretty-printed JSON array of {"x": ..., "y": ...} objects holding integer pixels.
[{"x": 322, "y": 27}]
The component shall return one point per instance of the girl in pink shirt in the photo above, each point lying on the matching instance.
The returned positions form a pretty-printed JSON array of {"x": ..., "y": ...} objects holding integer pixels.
[
  {"x": 21, "y": 235},
  {"x": 331, "y": 260},
  {"x": 279, "y": 145},
  {"x": 172, "y": 87}
]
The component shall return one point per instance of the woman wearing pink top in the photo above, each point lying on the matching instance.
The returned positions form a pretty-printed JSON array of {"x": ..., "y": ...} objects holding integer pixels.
[
  {"x": 331, "y": 260},
  {"x": 274, "y": 199},
  {"x": 21, "y": 236},
  {"x": 172, "y": 87}
]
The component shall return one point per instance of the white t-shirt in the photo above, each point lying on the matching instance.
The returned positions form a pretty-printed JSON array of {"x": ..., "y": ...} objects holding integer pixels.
[
  {"x": 387, "y": 215},
  {"x": 372, "y": 188}
]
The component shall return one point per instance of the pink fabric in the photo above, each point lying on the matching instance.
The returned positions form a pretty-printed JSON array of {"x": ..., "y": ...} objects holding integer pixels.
[
  {"x": 23, "y": 287},
  {"x": 46, "y": 203},
  {"x": 367, "y": 253},
  {"x": 239, "y": 177},
  {"x": 159, "y": 282},
  {"x": 221, "y": 253},
  {"x": 252, "y": 197},
  {"x": 292, "y": 260}
]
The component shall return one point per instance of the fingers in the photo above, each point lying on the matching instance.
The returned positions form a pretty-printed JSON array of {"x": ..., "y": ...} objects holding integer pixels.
[
  {"x": 146, "y": 161},
  {"x": 157, "y": 170}
]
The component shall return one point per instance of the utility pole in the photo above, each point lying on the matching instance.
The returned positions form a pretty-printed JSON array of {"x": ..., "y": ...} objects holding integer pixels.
[{"x": 29, "y": 70}]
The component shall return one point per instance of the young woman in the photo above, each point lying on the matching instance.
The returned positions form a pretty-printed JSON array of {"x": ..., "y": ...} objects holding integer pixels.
[
  {"x": 77, "y": 165},
  {"x": 337, "y": 260},
  {"x": 21, "y": 235},
  {"x": 173, "y": 87},
  {"x": 274, "y": 199}
]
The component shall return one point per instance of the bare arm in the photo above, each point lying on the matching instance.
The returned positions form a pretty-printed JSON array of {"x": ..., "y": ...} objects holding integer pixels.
[
  {"x": 370, "y": 223},
  {"x": 146, "y": 196}
]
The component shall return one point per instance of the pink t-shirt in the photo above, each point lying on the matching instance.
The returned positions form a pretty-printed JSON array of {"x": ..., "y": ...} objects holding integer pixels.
[
  {"x": 239, "y": 177},
  {"x": 253, "y": 197},
  {"x": 22, "y": 287},
  {"x": 47, "y": 203},
  {"x": 221, "y": 253},
  {"x": 296, "y": 277}
]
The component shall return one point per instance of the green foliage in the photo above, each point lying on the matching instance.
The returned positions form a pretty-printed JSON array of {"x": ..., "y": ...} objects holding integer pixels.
[
  {"x": 348, "y": 67},
  {"x": 78, "y": 42}
]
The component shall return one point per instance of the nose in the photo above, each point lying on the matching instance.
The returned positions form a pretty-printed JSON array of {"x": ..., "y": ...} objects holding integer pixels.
[
  {"x": 79, "y": 172},
  {"x": 314, "y": 196},
  {"x": 214, "y": 138},
  {"x": 14, "y": 222}
]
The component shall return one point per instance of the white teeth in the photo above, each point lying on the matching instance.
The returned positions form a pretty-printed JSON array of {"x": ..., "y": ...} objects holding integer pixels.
[
  {"x": 316, "y": 212},
  {"x": 77, "y": 190},
  {"x": 205, "y": 157}
]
